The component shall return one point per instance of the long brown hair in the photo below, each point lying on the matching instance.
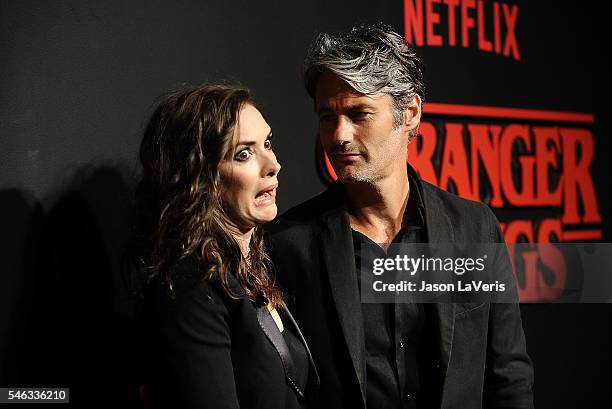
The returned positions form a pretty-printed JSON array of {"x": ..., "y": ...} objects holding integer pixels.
[{"x": 179, "y": 200}]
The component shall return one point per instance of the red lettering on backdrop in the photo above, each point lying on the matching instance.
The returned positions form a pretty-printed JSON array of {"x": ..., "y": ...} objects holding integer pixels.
[
  {"x": 522, "y": 231},
  {"x": 510, "y": 45},
  {"x": 421, "y": 21},
  {"x": 516, "y": 161},
  {"x": 454, "y": 162},
  {"x": 496, "y": 28},
  {"x": 552, "y": 259},
  {"x": 534, "y": 287},
  {"x": 422, "y": 157},
  {"x": 433, "y": 19},
  {"x": 549, "y": 231},
  {"x": 577, "y": 177},
  {"x": 413, "y": 22},
  {"x": 483, "y": 43},
  {"x": 484, "y": 143},
  {"x": 519, "y": 231},
  {"x": 526, "y": 196},
  {"x": 519, "y": 166},
  {"x": 548, "y": 148},
  {"x": 530, "y": 291},
  {"x": 452, "y": 30},
  {"x": 467, "y": 21}
]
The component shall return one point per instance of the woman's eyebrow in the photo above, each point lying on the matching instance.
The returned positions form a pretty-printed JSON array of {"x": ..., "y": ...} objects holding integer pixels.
[{"x": 251, "y": 142}]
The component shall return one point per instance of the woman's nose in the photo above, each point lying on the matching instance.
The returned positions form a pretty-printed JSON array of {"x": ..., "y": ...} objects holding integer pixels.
[{"x": 272, "y": 167}]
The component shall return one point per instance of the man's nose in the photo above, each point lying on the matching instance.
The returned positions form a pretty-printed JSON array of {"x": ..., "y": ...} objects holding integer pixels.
[{"x": 342, "y": 131}]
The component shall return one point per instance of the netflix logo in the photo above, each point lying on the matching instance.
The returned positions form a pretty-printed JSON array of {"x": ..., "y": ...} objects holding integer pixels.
[{"x": 489, "y": 26}]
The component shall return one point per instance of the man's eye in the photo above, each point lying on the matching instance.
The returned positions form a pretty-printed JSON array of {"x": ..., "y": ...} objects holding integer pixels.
[
  {"x": 268, "y": 144},
  {"x": 243, "y": 155},
  {"x": 359, "y": 115},
  {"x": 325, "y": 118}
]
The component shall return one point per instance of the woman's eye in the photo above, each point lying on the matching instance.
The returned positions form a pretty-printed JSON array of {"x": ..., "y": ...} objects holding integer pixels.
[
  {"x": 268, "y": 144},
  {"x": 243, "y": 155}
]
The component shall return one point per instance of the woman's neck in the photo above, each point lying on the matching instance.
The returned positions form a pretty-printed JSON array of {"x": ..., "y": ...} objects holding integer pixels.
[{"x": 243, "y": 238}]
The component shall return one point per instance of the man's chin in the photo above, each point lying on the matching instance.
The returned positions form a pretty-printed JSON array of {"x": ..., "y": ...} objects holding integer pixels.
[
  {"x": 346, "y": 173},
  {"x": 351, "y": 177},
  {"x": 347, "y": 180}
]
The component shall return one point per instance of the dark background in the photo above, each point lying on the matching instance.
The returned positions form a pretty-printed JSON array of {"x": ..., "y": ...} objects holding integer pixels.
[{"x": 78, "y": 80}]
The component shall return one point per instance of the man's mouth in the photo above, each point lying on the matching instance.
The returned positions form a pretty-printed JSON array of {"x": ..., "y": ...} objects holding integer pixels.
[{"x": 347, "y": 156}]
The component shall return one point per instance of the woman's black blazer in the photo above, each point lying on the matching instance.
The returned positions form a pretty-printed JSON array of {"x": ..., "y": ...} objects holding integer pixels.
[{"x": 208, "y": 350}]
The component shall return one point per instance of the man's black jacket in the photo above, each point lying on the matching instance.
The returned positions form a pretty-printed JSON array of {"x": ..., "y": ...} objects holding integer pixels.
[{"x": 475, "y": 356}]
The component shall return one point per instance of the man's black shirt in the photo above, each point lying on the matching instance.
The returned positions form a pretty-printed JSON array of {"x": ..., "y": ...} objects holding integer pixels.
[{"x": 392, "y": 332}]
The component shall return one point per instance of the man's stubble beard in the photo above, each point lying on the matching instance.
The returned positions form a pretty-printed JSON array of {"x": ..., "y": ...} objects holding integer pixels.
[{"x": 366, "y": 174}]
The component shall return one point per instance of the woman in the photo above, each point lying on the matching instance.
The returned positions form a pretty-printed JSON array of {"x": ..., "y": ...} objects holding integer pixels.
[{"x": 220, "y": 335}]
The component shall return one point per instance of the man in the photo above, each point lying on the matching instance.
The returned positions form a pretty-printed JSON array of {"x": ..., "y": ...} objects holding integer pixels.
[{"x": 367, "y": 87}]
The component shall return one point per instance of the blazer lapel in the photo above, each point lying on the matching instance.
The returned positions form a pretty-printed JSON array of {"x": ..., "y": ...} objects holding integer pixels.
[
  {"x": 276, "y": 338},
  {"x": 440, "y": 230},
  {"x": 313, "y": 375},
  {"x": 336, "y": 245}
]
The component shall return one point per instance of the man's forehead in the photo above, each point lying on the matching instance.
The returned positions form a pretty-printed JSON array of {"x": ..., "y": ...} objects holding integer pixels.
[{"x": 332, "y": 90}]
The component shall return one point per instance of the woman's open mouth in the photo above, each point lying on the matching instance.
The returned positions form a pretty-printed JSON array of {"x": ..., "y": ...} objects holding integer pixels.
[{"x": 267, "y": 196}]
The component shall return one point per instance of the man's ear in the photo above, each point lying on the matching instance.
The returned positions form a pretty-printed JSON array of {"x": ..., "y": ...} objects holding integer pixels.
[{"x": 412, "y": 114}]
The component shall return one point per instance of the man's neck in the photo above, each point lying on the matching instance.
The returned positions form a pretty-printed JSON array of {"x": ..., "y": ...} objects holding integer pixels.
[{"x": 377, "y": 209}]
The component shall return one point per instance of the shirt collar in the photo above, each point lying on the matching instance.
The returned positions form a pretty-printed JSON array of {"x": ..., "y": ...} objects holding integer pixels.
[{"x": 414, "y": 215}]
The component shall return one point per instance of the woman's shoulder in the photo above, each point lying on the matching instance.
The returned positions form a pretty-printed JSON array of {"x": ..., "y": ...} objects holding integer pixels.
[
  {"x": 189, "y": 283},
  {"x": 189, "y": 273},
  {"x": 195, "y": 304}
]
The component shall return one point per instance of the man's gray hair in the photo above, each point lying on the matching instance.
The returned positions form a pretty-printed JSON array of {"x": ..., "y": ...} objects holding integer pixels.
[{"x": 371, "y": 59}]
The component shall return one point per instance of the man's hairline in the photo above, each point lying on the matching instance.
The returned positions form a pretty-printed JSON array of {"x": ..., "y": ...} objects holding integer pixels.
[{"x": 369, "y": 95}]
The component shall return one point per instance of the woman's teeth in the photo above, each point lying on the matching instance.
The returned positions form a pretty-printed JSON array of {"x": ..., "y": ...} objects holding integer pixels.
[{"x": 263, "y": 198}]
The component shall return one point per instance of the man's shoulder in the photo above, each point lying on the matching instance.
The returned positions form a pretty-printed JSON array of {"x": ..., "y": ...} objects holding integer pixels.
[
  {"x": 463, "y": 214},
  {"x": 308, "y": 212},
  {"x": 451, "y": 201}
]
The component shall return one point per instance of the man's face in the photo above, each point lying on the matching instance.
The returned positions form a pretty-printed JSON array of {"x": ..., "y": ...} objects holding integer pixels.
[{"x": 357, "y": 132}]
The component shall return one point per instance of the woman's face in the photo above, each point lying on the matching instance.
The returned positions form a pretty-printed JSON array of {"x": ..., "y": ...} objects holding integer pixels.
[{"x": 250, "y": 173}]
